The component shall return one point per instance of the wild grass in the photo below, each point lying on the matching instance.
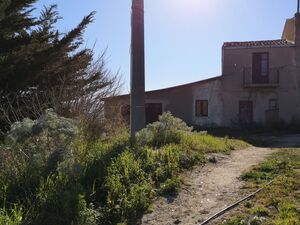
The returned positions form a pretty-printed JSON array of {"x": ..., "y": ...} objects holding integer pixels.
[
  {"x": 279, "y": 202},
  {"x": 49, "y": 178}
]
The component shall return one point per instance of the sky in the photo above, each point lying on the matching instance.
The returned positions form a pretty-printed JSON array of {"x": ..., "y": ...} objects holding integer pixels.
[{"x": 183, "y": 38}]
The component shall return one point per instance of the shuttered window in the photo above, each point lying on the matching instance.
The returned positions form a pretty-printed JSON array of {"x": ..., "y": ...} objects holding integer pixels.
[
  {"x": 260, "y": 67},
  {"x": 201, "y": 108}
]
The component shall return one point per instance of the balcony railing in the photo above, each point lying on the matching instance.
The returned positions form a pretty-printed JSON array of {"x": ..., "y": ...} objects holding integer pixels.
[{"x": 268, "y": 81}]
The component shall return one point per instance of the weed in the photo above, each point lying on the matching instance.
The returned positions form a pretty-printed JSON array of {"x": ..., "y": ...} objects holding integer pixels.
[
  {"x": 279, "y": 202},
  {"x": 236, "y": 221},
  {"x": 259, "y": 211},
  {"x": 51, "y": 173},
  {"x": 170, "y": 186}
]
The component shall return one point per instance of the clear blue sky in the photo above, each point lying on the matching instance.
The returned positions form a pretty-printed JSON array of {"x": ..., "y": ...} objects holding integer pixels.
[{"x": 183, "y": 37}]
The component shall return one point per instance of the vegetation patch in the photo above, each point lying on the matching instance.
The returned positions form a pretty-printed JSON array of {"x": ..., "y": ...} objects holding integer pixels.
[
  {"x": 51, "y": 169},
  {"x": 279, "y": 202}
]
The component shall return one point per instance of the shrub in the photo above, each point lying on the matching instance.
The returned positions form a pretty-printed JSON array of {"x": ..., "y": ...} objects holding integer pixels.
[
  {"x": 48, "y": 126},
  {"x": 170, "y": 186},
  {"x": 61, "y": 201},
  {"x": 45, "y": 142},
  {"x": 51, "y": 169},
  {"x": 129, "y": 188},
  {"x": 87, "y": 214},
  {"x": 36, "y": 151},
  {"x": 165, "y": 131}
]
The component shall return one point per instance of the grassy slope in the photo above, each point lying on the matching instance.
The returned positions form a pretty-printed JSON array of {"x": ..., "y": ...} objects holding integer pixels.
[
  {"x": 118, "y": 178},
  {"x": 158, "y": 172},
  {"x": 278, "y": 203}
]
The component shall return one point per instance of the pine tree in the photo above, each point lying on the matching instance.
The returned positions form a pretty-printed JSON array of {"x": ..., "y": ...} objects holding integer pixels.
[{"x": 36, "y": 58}]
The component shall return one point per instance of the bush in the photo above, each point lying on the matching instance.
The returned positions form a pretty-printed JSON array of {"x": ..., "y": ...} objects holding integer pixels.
[
  {"x": 45, "y": 142},
  {"x": 129, "y": 188},
  {"x": 170, "y": 186},
  {"x": 36, "y": 149},
  {"x": 165, "y": 131},
  {"x": 60, "y": 176}
]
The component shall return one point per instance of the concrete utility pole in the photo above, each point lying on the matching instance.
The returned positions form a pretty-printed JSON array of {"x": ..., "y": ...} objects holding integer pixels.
[
  {"x": 297, "y": 36},
  {"x": 137, "y": 95}
]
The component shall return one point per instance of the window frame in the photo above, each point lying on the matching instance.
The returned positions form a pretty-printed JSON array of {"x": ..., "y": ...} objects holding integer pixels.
[
  {"x": 200, "y": 104},
  {"x": 258, "y": 72}
]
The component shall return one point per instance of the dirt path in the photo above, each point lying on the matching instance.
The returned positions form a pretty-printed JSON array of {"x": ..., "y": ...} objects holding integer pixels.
[{"x": 206, "y": 189}]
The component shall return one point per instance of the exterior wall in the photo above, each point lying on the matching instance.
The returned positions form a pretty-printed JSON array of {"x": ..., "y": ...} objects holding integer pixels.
[
  {"x": 180, "y": 101},
  {"x": 289, "y": 30},
  {"x": 213, "y": 93},
  {"x": 287, "y": 91}
]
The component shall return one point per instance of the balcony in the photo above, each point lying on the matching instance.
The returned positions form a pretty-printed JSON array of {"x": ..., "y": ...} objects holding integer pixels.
[{"x": 251, "y": 80}]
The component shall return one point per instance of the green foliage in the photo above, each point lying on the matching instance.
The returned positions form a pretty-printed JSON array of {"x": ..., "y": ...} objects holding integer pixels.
[
  {"x": 235, "y": 221},
  {"x": 34, "y": 53},
  {"x": 87, "y": 215},
  {"x": 48, "y": 126},
  {"x": 165, "y": 131},
  {"x": 257, "y": 176},
  {"x": 260, "y": 211},
  {"x": 45, "y": 144},
  {"x": 279, "y": 202},
  {"x": 279, "y": 164},
  {"x": 57, "y": 175},
  {"x": 129, "y": 188},
  {"x": 170, "y": 186},
  {"x": 60, "y": 201},
  {"x": 14, "y": 217},
  {"x": 42, "y": 67},
  {"x": 288, "y": 214}
]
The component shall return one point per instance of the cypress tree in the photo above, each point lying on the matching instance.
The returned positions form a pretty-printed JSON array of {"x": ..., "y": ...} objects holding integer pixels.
[{"x": 36, "y": 59}]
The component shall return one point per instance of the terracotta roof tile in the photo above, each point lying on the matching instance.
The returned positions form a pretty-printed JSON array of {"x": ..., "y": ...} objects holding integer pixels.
[{"x": 266, "y": 43}]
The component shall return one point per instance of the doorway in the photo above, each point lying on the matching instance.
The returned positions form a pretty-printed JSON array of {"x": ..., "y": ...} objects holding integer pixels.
[
  {"x": 245, "y": 112},
  {"x": 153, "y": 111}
]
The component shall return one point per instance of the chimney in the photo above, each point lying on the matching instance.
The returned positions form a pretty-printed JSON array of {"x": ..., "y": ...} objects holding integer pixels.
[{"x": 137, "y": 95}]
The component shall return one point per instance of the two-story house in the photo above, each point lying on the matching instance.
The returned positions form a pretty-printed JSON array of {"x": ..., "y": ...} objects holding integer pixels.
[
  {"x": 260, "y": 83},
  {"x": 261, "y": 79}
]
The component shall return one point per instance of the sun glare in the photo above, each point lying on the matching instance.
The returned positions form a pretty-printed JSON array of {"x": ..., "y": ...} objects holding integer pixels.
[{"x": 192, "y": 7}]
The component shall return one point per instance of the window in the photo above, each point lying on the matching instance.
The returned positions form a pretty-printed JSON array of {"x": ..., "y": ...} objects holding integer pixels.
[
  {"x": 273, "y": 104},
  {"x": 201, "y": 108},
  {"x": 260, "y": 67},
  {"x": 264, "y": 63}
]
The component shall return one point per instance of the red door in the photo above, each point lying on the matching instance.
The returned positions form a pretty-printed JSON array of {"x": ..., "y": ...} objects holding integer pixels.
[{"x": 245, "y": 112}]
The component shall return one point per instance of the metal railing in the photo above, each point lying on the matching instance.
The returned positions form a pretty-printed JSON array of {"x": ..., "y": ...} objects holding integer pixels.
[{"x": 270, "y": 80}]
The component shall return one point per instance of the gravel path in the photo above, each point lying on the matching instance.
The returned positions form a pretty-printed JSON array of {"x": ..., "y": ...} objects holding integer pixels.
[{"x": 206, "y": 190}]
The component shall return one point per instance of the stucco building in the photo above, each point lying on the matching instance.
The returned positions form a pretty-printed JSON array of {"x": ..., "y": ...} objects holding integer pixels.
[{"x": 260, "y": 83}]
